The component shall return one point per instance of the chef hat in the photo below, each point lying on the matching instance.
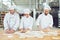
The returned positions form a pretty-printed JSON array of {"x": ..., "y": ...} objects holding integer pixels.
[
  {"x": 46, "y": 6},
  {"x": 11, "y": 8},
  {"x": 26, "y": 11}
]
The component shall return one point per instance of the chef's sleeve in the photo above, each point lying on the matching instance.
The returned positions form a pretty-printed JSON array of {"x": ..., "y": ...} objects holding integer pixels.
[
  {"x": 5, "y": 22},
  {"x": 17, "y": 22},
  {"x": 31, "y": 24},
  {"x": 38, "y": 20},
  {"x": 51, "y": 21},
  {"x": 21, "y": 23}
]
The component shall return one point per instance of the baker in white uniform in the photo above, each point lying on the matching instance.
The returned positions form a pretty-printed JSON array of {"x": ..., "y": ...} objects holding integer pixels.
[
  {"x": 45, "y": 20},
  {"x": 11, "y": 21},
  {"x": 26, "y": 21}
]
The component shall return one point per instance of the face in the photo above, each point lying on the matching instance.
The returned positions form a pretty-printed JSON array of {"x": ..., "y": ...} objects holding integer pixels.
[
  {"x": 27, "y": 15},
  {"x": 46, "y": 11},
  {"x": 12, "y": 11}
]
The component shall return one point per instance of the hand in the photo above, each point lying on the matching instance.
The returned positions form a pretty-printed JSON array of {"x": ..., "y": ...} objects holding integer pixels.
[
  {"x": 24, "y": 30},
  {"x": 46, "y": 30},
  {"x": 12, "y": 31},
  {"x": 28, "y": 29},
  {"x": 39, "y": 28},
  {"x": 21, "y": 30},
  {"x": 7, "y": 31}
]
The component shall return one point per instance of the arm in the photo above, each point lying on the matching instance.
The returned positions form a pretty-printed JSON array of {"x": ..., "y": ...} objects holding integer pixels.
[
  {"x": 5, "y": 22},
  {"x": 51, "y": 22},
  {"x": 21, "y": 24},
  {"x": 16, "y": 23},
  {"x": 31, "y": 24},
  {"x": 38, "y": 23},
  {"x": 38, "y": 20}
]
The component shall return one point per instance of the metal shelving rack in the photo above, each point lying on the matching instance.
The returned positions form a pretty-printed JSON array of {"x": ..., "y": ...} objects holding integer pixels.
[
  {"x": 59, "y": 19},
  {"x": 2, "y": 14}
]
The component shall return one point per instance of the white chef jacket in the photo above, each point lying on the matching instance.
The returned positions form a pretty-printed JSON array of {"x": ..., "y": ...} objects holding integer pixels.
[
  {"x": 45, "y": 21},
  {"x": 26, "y": 22},
  {"x": 11, "y": 21}
]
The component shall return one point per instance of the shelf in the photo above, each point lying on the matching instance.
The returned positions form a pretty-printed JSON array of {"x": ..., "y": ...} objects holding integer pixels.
[{"x": 2, "y": 14}]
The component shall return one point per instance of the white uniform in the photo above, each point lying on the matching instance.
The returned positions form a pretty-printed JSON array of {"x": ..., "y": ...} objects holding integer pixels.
[
  {"x": 45, "y": 20},
  {"x": 11, "y": 21},
  {"x": 26, "y": 22}
]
